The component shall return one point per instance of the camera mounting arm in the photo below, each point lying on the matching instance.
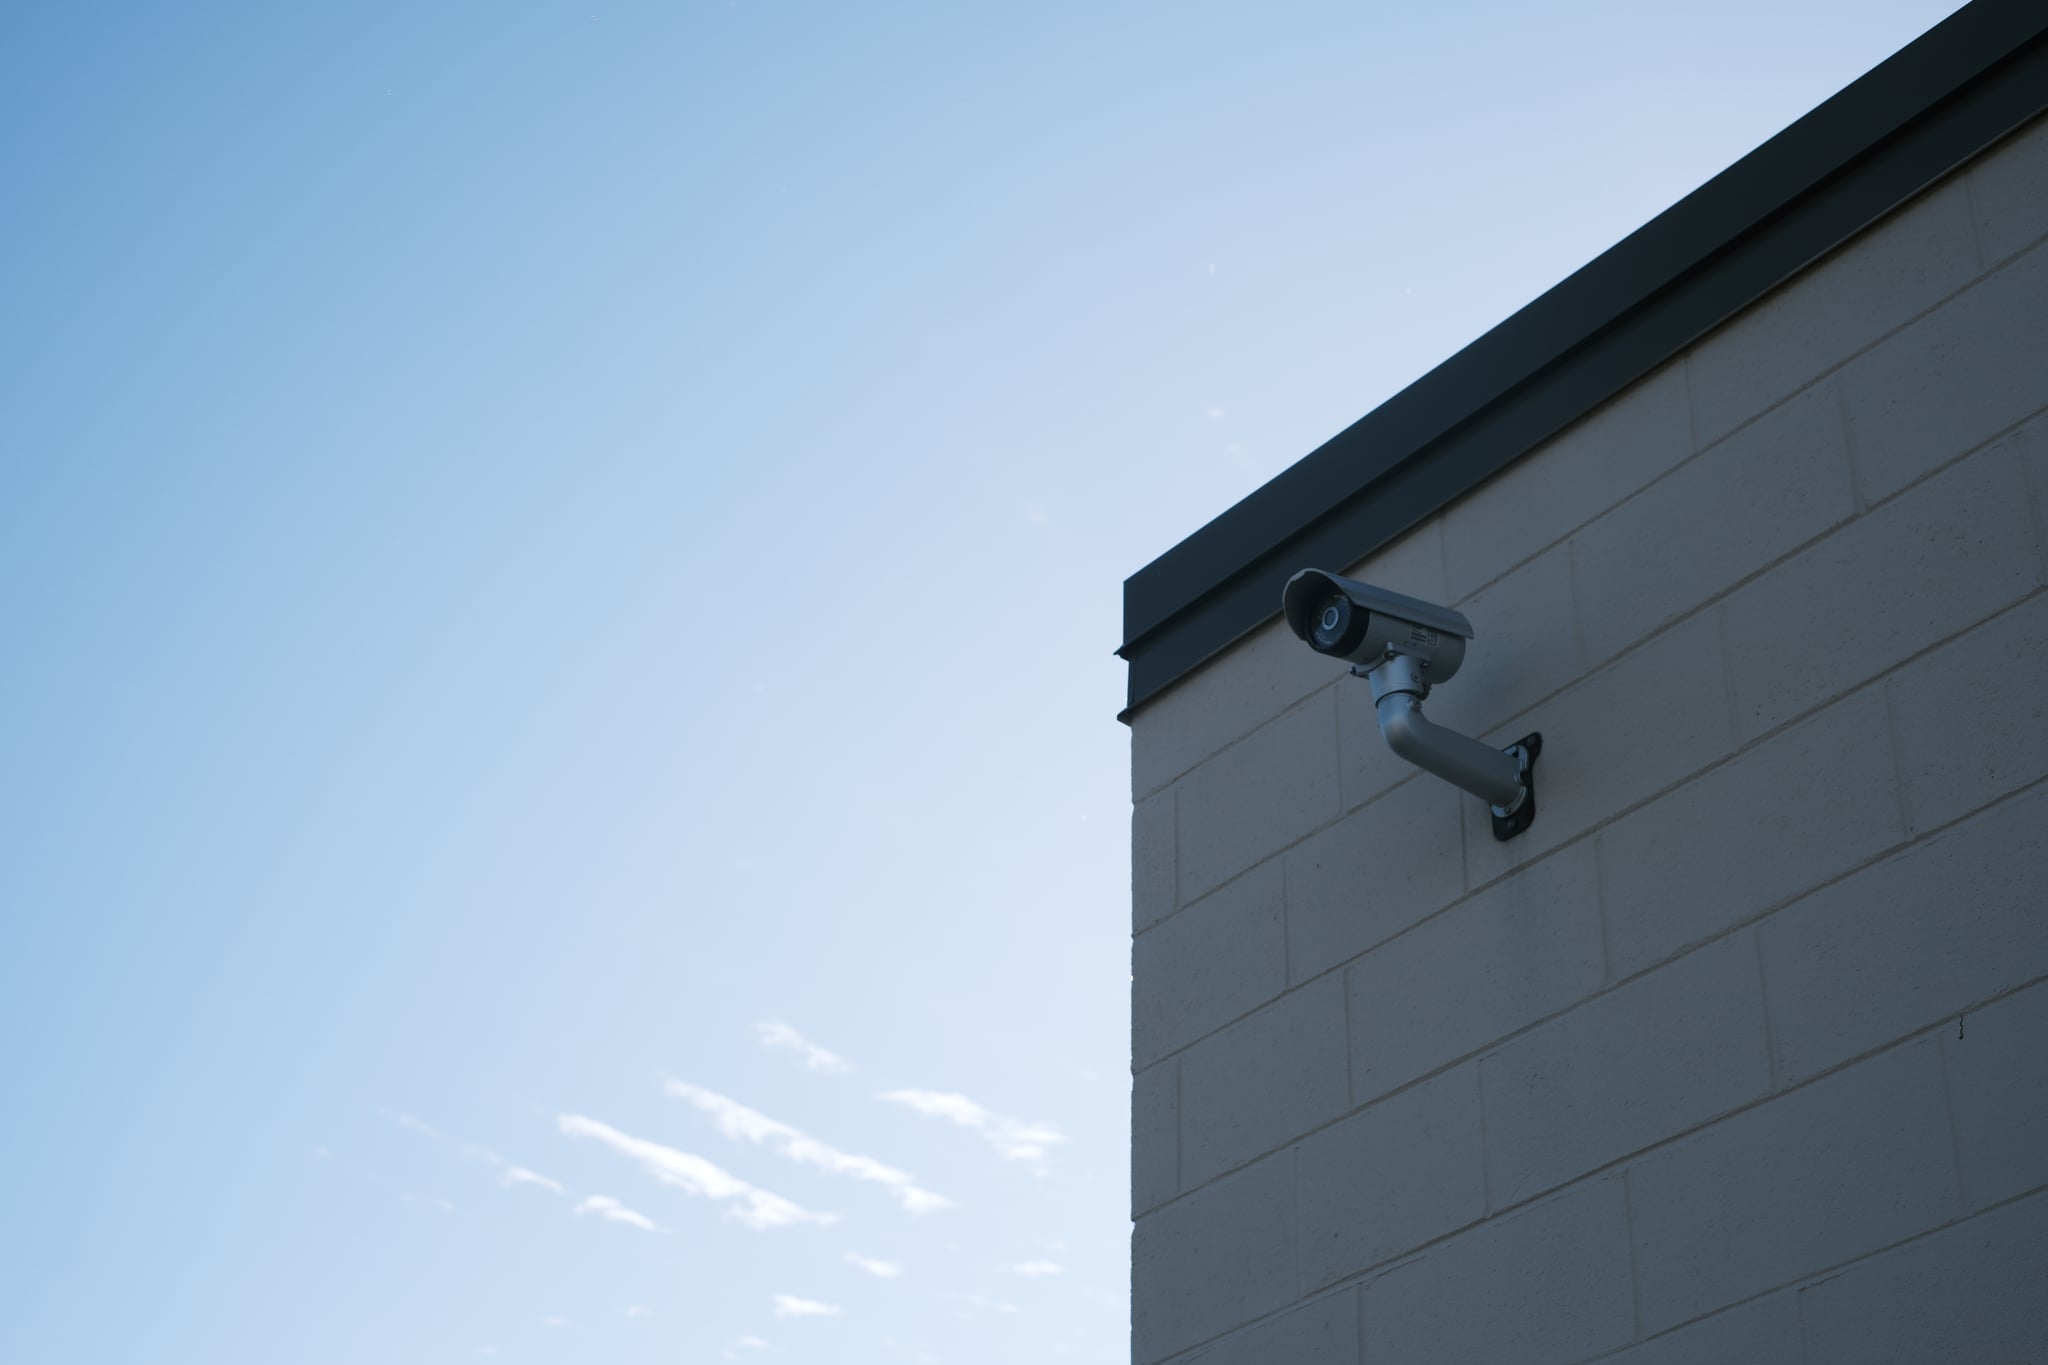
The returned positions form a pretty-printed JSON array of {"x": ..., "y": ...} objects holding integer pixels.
[{"x": 1503, "y": 778}]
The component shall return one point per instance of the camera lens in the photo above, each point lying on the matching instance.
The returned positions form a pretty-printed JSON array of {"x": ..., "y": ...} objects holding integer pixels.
[{"x": 1340, "y": 625}]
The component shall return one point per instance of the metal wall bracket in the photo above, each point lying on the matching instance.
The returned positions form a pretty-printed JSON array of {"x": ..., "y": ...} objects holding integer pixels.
[{"x": 1510, "y": 821}]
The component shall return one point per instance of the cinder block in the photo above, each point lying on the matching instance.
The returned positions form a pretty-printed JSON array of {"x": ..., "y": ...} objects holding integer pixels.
[
  {"x": 1630, "y": 729},
  {"x": 1910, "y": 941},
  {"x": 1412, "y": 564},
  {"x": 1263, "y": 1081},
  {"x": 1975, "y": 1293},
  {"x": 1650, "y": 1061},
  {"x": 1214, "y": 1260},
  {"x": 1323, "y": 1331},
  {"x": 1524, "y": 948},
  {"x": 1903, "y": 266},
  {"x": 1793, "y": 813},
  {"x": 1952, "y": 551},
  {"x": 1543, "y": 1286},
  {"x": 1972, "y": 717},
  {"x": 2033, "y": 447},
  {"x": 2009, "y": 186},
  {"x": 1269, "y": 789},
  {"x": 1372, "y": 874},
  {"x": 1524, "y": 646},
  {"x": 1793, "y": 1187},
  {"x": 1761, "y": 1332},
  {"x": 1388, "y": 1179},
  {"x": 1154, "y": 894},
  {"x": 1570, "y": 479},
  {"x": 1155, "y": 1136},
  {"x": 1221, "y": 957},
  {"x": 1951, "y": 381},
  {"x": 1222, "y": 701},
  {"x": 1712, "y": 522},
  {"x": 1997, "y": 1060}
]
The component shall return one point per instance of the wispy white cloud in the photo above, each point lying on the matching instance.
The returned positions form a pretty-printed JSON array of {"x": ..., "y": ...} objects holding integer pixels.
[
  {"x": 612, "y": 1211},
  {"x": 1015, "y": 1139},
  {"x": 1033, "y": 1269},
  {"x": 519, "y": 1175},
  {"x": 755, "y": 1207},
  {"x": 972, "y": 1304},
  {"x": 736, "y": 1120},
  {"x": 751, "y": 1343},
  {"x": 775, "y": 1033},
  {"x": 790, "y": 1306},
  {"x": 554, "y": 1320},
  {"x": 881, "y": 1270},
  {"x": 417, "y": 1125},
  {"x": 639, "y": 1310}
]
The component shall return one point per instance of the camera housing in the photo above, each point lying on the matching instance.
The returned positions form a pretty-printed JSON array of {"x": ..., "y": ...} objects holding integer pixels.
[{"x": 1363, "y": 625}]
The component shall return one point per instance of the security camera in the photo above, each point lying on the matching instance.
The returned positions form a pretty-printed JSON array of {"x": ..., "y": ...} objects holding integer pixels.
[
  {"x": 1402, "y": 647},
  {"x": 1363, "y": 624}
]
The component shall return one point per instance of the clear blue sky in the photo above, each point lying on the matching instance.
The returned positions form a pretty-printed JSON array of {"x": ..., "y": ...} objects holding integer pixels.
[{"x": 548, "y": 550}]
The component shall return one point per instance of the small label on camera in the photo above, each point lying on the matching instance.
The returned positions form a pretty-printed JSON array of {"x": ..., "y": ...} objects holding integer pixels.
[{"x": 1422, "y": 636}]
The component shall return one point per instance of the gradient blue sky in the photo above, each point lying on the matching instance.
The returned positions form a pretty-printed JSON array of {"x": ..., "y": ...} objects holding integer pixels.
[{"x": 539, "y": 543}]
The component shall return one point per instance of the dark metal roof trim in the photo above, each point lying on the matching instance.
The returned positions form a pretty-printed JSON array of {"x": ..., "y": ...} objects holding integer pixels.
[{"x": 1959, "y": 88}]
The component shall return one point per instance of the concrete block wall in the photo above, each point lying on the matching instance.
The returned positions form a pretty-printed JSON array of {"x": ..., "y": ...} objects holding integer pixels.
[{"x": 1741, "y": 1053}]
